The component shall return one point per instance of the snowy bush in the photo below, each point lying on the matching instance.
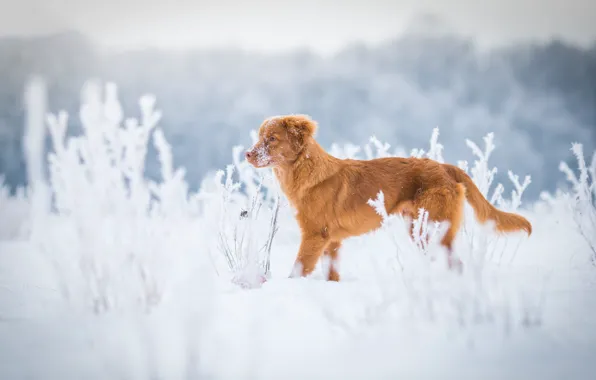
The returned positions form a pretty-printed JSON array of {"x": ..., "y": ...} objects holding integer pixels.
[
  {"x": 120, "y": 244},
  {"x": 581, "y": 201},
  {"x": 119, "y": 221},
  {"x": 14, "y": 209},
  {"x": 476, "y": 296},
  {"x": 244, "y": 237}
]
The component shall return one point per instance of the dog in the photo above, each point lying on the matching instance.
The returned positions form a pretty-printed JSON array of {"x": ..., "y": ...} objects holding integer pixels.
[{"x": 330, "y": 195}]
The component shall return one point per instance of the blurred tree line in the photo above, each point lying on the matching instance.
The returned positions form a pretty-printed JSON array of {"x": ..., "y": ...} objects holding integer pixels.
[{"x": 537, "y": 98}]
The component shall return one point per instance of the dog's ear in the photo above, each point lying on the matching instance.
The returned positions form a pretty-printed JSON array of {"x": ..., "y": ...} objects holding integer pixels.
[{"x": 300, "y": 127}]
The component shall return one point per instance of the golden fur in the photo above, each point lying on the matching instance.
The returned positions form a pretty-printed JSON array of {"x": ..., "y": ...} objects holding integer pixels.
[{"x": 331, "y": 195}]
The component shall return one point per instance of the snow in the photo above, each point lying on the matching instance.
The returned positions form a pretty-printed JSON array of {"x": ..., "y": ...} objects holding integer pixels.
[
  {"x": 310, "y": 328},
  {"x": 138, "y": 282}
]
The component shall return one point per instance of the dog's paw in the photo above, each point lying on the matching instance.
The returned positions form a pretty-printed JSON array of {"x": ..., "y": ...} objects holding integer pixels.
[
  {"x": 296, "y": 271},
  {"x": 333, "y": 276},
  {"x": 294, "y": 274}
]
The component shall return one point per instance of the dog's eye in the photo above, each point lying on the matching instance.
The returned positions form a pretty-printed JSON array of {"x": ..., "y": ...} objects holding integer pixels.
[{"x": 272, "y": 138}]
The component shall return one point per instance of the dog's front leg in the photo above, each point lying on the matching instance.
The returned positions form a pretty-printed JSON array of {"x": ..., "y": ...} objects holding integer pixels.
[{"x": 311, "y": 249}]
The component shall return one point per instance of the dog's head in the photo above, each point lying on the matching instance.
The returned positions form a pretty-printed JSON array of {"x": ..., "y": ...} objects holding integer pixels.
[{"x": 281, "y": 140}]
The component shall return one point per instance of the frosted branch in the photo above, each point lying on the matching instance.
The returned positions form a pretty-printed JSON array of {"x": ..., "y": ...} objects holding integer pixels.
[
  {"x": 436, "y": 149},
  {"x": 516, "y": 194},
  {"x": 379, "y": 205}
]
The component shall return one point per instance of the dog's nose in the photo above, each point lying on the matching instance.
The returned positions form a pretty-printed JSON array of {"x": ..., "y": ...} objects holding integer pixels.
[{"x": 248, "y": 154}]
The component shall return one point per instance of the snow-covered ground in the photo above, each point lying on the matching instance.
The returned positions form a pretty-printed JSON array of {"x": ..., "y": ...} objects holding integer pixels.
[{"x": 125, "y": 279}]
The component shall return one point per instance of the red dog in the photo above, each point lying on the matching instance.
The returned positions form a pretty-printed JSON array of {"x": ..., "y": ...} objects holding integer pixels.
[{"x": 331, "y": 195}]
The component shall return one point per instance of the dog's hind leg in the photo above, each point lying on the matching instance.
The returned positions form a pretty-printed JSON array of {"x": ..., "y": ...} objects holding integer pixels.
[
  {"x": 332, "y": 252},
  {"x": 445, "y": 204}
]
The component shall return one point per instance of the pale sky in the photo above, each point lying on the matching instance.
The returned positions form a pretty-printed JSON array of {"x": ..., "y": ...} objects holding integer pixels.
[{"x": 324, "y": 25}]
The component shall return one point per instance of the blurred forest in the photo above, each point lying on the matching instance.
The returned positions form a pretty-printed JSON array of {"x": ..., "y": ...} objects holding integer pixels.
[{"x": 536, "y": 98}]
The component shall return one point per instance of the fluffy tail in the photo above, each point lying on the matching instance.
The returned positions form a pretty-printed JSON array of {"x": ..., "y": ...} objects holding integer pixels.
[{"x": 505, "y": 221}]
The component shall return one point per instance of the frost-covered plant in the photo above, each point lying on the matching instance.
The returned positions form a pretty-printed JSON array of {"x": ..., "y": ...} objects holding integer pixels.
[
  {"x": 435, "y": 151},
  {"x": 421, "y": 260},
  {"x": 480, "y": 173},
  {"x": 373, "y": 149},
  {"x": 420, "y": 280},
  {"x": 15, "y": 211},
  {"x": 583, "y": 197},
  {"x": 24, "y": 211},
  {"x": 482, "y": 243},
  {"x": 424, "y": 234},
  {"x": 382, "y": 149},
  {"x": 123, "y": 244},
  {"x": 244, "y": 238},
  {"x": 345, "y": 151},
  {"x": 247, "y": 217},
  {"x": 483, "y": 177},
  {"x": 98, "y": 183}
]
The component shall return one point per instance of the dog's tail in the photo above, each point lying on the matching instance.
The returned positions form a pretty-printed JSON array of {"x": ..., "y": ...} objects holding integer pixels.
[{"x": 505, "y": 221}]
